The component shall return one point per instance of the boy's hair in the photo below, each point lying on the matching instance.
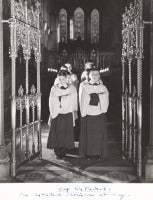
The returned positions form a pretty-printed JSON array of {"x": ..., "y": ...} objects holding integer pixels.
[
  {"x": 64, "y": 68},
  {"x": 67, "y": 65},
  {"x": 94, "y": 69},
  {"x": 63, "y": 73}
]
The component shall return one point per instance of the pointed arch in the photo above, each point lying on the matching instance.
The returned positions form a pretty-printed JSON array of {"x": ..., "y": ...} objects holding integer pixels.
[
  {"x": 79, "y": 24},
  {"x": 95, "y": 26}
]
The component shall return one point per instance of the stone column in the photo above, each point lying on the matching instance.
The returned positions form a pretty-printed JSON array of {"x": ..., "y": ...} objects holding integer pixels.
[
  {"x": 149, "y": 164},
  {"x": 4, "y": 158},
  {"x": 88, "y": 26},
  {"x": 68, "y": 26}
]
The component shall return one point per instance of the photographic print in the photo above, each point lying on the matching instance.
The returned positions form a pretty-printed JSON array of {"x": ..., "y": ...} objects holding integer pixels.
[{"x": 76, "y": 100}]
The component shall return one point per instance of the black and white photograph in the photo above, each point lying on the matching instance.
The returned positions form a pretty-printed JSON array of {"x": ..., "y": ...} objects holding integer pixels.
[{"x": 76, "y": 94}]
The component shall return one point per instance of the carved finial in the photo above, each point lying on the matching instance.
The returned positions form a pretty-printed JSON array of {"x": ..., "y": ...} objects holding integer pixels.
[
  {"x": 21, "y": 4},
  {"x": 26, "y": 3},
  {"x": 126, "y": 90},
  {"x": 134, "y": 92},
  {"x": 126, "y": 9},
  {"x": 20, "y": 91},
  {"x": 131, "y": 5},
  {"x": 33, "y": 90},
  {"x": 37, "y": 4}
]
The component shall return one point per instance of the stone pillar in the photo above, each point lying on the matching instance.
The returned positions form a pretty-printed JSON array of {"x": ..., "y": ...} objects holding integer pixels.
[
  {"x": 149, "y": 163},
  {"x": 85, "y": 25},
  {"x": 88, "y": 26},
  {"x": 4, "y": 158},
  {"x": 68, "y": 27}
]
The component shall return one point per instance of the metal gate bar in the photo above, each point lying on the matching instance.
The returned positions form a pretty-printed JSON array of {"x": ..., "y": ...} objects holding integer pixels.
[
  {"x": 132, "y": 49},
  {"x": 25, "y": 31}
]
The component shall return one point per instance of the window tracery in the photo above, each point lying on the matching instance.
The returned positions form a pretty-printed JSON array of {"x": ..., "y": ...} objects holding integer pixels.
[
  {"x": 95, "y": 26},
  {"x": 63, "y": 25},
  {"x": 79, "y": 24}
]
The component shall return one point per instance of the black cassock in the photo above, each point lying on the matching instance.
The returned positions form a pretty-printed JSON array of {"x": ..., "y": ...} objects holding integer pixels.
[
  {"x": 93, "y": 136},
  {"x": 62, "y": 102},
  {"x": 61, "y": 133},
  {"x": 94, "y": 100}
]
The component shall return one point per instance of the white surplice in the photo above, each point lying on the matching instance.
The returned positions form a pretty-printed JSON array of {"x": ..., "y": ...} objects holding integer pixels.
[
  {"x": 84, "y": 98},
  {"x": 68, "y": 103}
]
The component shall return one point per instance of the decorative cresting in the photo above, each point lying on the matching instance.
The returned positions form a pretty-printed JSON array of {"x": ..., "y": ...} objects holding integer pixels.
[
  {"x": 25, "y": 32},
  {"x": 132, "y": 55},
  {"x": 105, "y": 60}
]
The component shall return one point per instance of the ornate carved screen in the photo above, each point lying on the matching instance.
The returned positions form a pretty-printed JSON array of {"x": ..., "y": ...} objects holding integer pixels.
[
  {"x": 26, "y": 99},
  {"x": 132, "y": 56}
]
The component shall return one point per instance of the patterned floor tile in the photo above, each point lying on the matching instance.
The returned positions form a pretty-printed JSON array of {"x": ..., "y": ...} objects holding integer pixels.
[
  {"x": 108, "y": 168},
  {"x": 21, "y": 176},
  {"x": 36, "y": 177},
  {"x": 118, "y": 177},
  {"x": 50, "y": 177}
]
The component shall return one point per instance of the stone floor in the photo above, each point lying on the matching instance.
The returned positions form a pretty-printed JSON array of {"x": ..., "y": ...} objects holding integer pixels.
[{"x": 75, "y": 169}]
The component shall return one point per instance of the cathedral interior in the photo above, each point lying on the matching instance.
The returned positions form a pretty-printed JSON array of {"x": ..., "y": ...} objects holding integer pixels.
[{"x": 38, "y": 37}]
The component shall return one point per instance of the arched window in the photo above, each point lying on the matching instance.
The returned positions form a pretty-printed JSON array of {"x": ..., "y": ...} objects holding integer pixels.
[
  {"x": 79, "y": 24},
  {"x": 95, "y": 26},
  {"x": 62, "y": 25},
  {"x": 71, "y": 30}
]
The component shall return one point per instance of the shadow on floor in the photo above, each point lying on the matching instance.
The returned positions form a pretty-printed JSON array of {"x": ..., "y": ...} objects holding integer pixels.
[{"x": 75, "y": 169}]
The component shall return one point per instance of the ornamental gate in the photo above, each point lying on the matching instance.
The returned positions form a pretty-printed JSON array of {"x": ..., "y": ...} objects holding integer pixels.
[
  {"x": 25, "y": 98},
  {"x": 132, "y": 59}
]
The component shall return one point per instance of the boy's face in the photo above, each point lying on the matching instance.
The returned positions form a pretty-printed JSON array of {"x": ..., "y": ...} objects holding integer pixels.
[
  {"x": 88, "y": 66},
  {"x": 62, "y": 80},
  {"x": 94, "y": 76}
]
